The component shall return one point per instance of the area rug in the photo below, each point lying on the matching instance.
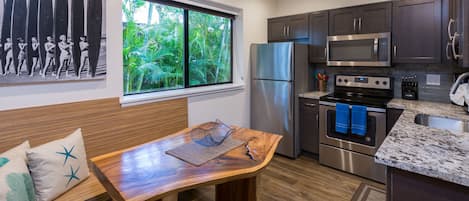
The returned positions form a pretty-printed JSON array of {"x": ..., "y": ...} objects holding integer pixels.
[{"x": 369, "y": 193}]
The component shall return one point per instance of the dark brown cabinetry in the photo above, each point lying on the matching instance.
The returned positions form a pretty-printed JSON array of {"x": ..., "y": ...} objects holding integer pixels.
[
  {"x": 455, "y": 32},
  {"x": 406, "y": 186},
  {"x": 288, "y": 28},
  {"x": 417, "y": 31},
  {"x": 318, "y": 31},
  {"x": 309, "y": 125},
  {"x": 373, "y": 18},
  {"x": 343, "y": 21}
]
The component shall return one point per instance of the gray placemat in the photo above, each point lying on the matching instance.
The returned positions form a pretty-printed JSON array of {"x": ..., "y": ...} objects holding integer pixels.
[{"x": 197, "y": 154}]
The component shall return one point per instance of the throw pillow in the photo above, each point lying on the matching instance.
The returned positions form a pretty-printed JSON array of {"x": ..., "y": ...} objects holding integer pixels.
[
  {"x": 58, "y": 166},
  {"x": 15, "y": 181}
]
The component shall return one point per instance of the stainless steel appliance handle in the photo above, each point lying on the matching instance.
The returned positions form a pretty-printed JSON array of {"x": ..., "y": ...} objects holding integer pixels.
[
  {"x": 360, "y": 24},
  {"x": 455, "y": 55},
  {"x": 448, "y": 56},
  {"x": 369, "y": 109},
  {"x": 354, "y": 24},
  {"x": 450, "y": 23},
  {"x": 310, "y": 105},
  {"x": 375, "y": 47}
]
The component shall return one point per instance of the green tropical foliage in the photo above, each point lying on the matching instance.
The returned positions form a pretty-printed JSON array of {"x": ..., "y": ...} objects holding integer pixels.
[
  {"x": 153, "y": 52},
  {"x": 153, "y": 47},
  {"x": 210, "y": 49}
]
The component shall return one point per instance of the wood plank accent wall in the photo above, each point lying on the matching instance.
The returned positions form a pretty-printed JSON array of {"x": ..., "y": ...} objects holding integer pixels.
[{"x": 106, "y": 126}]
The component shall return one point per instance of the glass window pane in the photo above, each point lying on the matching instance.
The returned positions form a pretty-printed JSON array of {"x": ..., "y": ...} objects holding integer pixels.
[
  {"x": 153, "y": 47},
  {"x": 209, "y": 49}
]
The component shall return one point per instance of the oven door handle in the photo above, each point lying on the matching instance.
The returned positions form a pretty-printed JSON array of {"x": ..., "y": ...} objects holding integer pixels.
[{"x": 369, "y": 109}]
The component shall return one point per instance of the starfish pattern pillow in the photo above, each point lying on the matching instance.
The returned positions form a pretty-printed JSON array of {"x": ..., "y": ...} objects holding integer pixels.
[
  {"x": 58, "y": 166},
  {"x": 15, "y": 181}
]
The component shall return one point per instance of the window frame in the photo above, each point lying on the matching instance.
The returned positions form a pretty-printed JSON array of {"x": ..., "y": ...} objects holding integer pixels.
[{"x": 187, "y": 8}]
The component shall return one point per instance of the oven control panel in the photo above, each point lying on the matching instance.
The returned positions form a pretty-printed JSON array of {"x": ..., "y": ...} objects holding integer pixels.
[{"x": 363, "y": 81}]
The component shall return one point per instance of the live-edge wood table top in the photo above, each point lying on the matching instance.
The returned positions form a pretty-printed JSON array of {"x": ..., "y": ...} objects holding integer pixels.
[{"x": 146, "y": 172}]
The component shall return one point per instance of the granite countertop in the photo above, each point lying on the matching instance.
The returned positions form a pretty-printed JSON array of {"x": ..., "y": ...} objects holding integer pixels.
[
  {"x": 423, "y": 150},
  {"x": 313, "y": 94}
]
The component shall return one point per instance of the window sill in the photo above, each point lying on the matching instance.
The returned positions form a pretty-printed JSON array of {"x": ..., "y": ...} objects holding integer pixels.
[{"x": 179, "y": 93}]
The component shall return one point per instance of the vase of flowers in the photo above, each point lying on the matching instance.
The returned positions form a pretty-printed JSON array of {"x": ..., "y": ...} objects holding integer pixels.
[{"x": 322, "y": 80}]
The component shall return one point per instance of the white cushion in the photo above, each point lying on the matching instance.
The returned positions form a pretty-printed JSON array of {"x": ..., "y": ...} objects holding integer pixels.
[
  {"x": 15, "y": 181},
  {"x": 58, "y": 166}
]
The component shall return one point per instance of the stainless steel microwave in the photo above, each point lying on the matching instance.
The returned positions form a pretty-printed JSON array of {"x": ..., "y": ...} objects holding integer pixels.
[{"x": 359, "y": 50}]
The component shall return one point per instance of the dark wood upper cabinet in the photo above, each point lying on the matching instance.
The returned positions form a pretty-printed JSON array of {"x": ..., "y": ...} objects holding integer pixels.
[
  {"x": 372, "y": 18},
  {"x": 375, "y": 18},
  {"x": 318, "y": 32},
  {"x": 297, "y": 27},
  {"x": 343, "y": 21},
  {"x": 288, "y": 28},
  {"x": 456, "y": 20},
  {"x": 417, "y": 31},
  {"x": 276, "y": 30}
]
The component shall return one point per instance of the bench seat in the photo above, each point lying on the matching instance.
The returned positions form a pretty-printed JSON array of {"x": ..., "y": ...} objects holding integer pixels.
[{"x": 90, "y": 188}]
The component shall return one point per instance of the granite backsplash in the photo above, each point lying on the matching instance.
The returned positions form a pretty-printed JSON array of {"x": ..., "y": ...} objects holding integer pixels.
[{"x": 440, "y": 93}]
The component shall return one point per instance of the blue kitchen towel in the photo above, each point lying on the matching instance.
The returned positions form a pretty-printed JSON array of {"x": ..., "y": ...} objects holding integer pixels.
[
  {"x": 342, "y": 118},
  {"x": 359, "y": 118}
]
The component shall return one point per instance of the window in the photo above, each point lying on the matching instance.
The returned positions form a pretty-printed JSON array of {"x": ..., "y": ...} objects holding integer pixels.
[{"x": 170, "y": 45}]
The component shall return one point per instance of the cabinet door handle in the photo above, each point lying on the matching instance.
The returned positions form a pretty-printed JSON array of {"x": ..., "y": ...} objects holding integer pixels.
[
  {"x": 288, "y": 31},
  {"x": 451, "y": 22},
  {"x": 317, "y": 117},
  {"x": 354, "y": 24},
  {"x": 395, "y": 51},
  {"x": 284, "y": 31},
  {"x": 448, "y": 56},
  {"x": 455, "y": 55},
  {"x": 325, "y": 52},
  {"x": 310, "y": 105},
  {"x": 360, "y": 24}
]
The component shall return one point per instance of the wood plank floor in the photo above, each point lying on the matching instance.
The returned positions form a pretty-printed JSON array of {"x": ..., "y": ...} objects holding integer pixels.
[{"x": 296, "y": 180}]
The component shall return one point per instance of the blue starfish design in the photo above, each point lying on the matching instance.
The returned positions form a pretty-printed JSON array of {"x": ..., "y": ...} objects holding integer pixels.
[
  {"x": 67, "y": 153},
  {"x": 72, "y": 175}
]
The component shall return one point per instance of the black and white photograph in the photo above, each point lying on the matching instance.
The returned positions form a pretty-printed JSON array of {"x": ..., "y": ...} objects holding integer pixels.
[{"x": 52, "y": 40}]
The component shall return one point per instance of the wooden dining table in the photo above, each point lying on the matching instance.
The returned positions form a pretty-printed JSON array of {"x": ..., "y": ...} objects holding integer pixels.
[{"x": 146, "y": 172}]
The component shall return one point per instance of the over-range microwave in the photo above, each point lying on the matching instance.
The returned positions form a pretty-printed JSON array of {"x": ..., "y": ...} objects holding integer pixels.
[{"x": 359, "y": 50}]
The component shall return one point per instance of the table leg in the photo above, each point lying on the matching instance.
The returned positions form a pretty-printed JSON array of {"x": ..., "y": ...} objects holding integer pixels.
[
  {"x": 173, "y": 197},
  {"x": 239, "y": 190}
]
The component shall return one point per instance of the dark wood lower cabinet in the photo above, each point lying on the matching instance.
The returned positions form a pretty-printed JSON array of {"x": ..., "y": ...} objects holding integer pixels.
[
  {"x": 407, "y": 186},
  {"x": 309, "y": 125}
]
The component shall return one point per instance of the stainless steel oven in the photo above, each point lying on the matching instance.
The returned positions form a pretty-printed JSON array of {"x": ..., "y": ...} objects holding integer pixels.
[
  {"x": 347, "y": 151},
  {"x": 359, "y": 50}
]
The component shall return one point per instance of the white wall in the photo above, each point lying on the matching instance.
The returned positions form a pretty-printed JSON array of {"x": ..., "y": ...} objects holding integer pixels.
[{"x": 289, "y": 7}]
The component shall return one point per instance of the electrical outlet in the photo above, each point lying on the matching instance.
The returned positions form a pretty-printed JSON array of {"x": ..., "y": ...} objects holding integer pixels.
[{"x": 433, "y": 79}]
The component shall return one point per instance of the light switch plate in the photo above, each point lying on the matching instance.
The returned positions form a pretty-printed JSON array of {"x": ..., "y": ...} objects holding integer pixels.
[{"x": 433, "y": 79}]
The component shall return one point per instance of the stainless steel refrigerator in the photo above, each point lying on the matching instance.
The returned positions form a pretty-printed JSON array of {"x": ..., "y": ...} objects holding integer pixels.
[{"x": 279, "y": 73}]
